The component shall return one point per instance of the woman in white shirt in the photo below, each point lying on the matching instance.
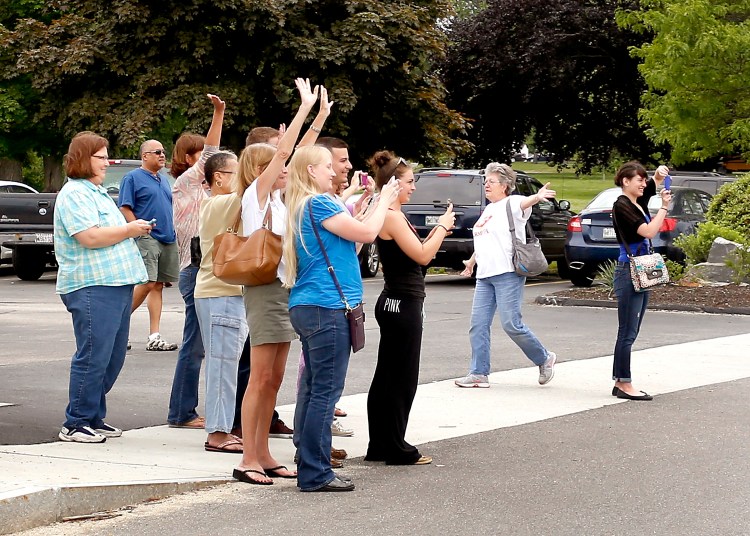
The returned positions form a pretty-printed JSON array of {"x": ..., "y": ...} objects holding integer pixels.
[
  {"x": 262, "y": 176},
  {"x": 498, "y": 286}
]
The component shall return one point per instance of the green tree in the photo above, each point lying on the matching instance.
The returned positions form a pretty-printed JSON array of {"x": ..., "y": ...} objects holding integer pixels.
[
  {"x": 558, "y": 67},
  {"x": 697, "y": 69},
  {"x": 125, "y": 68}
]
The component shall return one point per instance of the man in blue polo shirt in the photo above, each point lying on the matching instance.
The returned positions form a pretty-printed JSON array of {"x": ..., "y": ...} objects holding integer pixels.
[{"x": 145, "y": 195}]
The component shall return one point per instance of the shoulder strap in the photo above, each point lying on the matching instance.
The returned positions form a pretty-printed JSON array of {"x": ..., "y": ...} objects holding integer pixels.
[
  {"x": 512, "y": 224},
  {"x": 268, "y": 219},
  {"x": 325, "y": 256},
  {"x": 236, "y": 225},
  {"x": 625, "y": 242}
]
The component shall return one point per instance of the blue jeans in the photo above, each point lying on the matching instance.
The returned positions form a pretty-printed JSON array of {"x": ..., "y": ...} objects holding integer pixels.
[
  {"x": 503, "y": 293},
  {"x": 101, "y": 323},
  {"x": 631, "y": 306},
  {"x": 326, "y": 345},
  {"x": 184, "y": 399},
  {"x": 224, "y": 330}
]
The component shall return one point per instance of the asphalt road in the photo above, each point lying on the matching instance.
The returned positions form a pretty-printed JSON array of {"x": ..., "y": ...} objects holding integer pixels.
[
  {"x": 677, "y": 466},
  {"x": 36, "y": 343}
]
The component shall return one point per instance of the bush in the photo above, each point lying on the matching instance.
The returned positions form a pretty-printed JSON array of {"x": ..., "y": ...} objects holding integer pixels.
[
  {"x": 739, "y": 262},
  {"x": 697, "y": 245},
  {"x": 606, "y": 274},
  {"x": 731, "y": 206},
  {"x": 676, "y": 270}
]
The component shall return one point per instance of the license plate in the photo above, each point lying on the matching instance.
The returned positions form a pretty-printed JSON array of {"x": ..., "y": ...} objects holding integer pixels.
[
  {"x": 608, "y": 232},
  {"x": 431, "y": 220},
  {"x": 43, "y": 238}
]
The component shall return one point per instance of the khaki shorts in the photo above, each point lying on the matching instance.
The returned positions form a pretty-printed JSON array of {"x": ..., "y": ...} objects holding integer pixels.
[
  {"x": 162, "y": 261},
  {"x": 267, "y": 308}
]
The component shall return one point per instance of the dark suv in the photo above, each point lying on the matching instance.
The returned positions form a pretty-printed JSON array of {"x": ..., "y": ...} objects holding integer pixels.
[{"x": 465, "y": 188}]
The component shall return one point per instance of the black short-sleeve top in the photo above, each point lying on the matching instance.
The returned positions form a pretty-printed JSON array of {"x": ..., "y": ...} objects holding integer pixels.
[{"x": 627, "y": 217}]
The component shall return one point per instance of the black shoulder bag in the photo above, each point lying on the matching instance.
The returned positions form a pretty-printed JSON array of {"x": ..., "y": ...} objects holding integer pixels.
[{"x": 356, "y": 315}]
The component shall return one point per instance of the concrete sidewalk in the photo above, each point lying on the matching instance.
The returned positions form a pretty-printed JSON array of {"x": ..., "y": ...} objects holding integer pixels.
[{"x": 49, "y": 482}]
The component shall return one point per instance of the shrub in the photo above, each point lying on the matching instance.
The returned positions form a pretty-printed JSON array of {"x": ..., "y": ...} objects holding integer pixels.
[
  {"x": 606, "y": 274},
  {"x": 697, "y": 245},
  {"x": 676, "y": 270},
  {"x": 739, "y": 262},
  {"x": 731, "y": 206}
]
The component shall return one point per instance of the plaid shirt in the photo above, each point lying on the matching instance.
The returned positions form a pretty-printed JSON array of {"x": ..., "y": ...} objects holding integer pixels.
[{"x": 81, "y": 205}]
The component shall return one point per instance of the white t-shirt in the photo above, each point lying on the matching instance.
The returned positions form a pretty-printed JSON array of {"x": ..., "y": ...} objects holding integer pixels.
[
  {"x": 253, "y": 215},
  {"x": 492, "y": 241}
]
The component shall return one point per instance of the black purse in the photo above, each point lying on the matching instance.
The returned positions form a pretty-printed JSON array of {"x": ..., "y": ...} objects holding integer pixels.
[{"x": 355, "y": 315}]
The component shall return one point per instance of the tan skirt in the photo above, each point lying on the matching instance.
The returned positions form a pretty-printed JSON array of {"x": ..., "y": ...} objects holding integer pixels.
[{"x": 267, "y": 308}]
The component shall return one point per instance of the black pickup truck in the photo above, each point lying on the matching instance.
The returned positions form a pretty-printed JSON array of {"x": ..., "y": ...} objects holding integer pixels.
[
  {"x": 465, "y": 188},
  {"x": 27, "y": 222}
]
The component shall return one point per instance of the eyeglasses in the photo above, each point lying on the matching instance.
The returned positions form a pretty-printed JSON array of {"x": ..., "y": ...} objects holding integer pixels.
[
  {"x": 222, "y": 171},
  {"x": 157, "y": 152},
  {"x": 490, "y": 181},
  {"x": 100, "y": 157},
  {"x": 402, "y": 161}
]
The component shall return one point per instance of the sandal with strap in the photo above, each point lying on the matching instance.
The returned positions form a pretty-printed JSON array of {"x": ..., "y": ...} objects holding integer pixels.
[{"x": 157, "y": 344}]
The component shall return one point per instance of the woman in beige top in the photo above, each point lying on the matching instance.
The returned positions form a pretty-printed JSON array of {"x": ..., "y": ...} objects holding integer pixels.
[{"x": 220, "y": 309}]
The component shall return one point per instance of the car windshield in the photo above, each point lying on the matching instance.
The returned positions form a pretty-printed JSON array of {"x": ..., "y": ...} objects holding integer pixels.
[
  {"x": 437, "y": 189},
  {"x": 605, "y": 199}
]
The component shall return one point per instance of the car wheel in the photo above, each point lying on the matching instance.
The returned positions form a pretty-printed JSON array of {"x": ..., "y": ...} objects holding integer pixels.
[
  {"x": 581, "y": 279},
  {"x": 369, "y": 262},
  {"x": 28, "y": 264},
  {"x": 563, "y": 270}
]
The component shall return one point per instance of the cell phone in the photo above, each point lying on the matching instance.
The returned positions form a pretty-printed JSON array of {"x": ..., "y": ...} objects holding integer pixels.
[
  {"x": 363, "y": 179},
  {"x": 668, "y": 182},
  {"x": 152, "y": 222}
]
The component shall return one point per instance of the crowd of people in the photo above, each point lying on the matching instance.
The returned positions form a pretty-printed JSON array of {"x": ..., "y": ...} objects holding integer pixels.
[{"x": 111, "y": 259}]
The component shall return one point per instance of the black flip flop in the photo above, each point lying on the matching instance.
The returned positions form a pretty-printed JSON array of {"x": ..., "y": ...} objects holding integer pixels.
[
  {"x": 242, "y": 476},
  {"x": 274, "y": 474}
]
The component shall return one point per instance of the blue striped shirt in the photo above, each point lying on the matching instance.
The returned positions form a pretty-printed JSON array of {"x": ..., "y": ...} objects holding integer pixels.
[{"x": 81, "y": 205}]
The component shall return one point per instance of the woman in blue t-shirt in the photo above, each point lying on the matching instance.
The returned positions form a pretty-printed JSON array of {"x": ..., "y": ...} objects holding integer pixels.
[
  {"x": 634, "y": 226},
  {"x": 316, "y": 309}
]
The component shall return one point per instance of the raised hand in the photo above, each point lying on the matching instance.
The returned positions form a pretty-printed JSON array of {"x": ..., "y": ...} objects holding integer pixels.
[
  {"x": 545, "y": 193},
  {"x": 325, "y": 104},
  {"x": 307, "y": 94},
  {"x": 389, "y": 192},
  {"x": 448, "y": 220},
  {"x": 661, "y": 172},
  {"x": 219, "y": 105}
]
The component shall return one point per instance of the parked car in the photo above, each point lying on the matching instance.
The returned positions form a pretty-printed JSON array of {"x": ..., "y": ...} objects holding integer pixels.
[
  {"x": 708, "y": 182},
  {"x": 591, "y": 237},
  {"x": 12, "y": 187},
  {"x": 465, "y": 189}
]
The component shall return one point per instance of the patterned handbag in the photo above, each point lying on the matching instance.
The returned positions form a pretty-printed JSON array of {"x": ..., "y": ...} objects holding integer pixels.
[{"x": 646, "y": 271}]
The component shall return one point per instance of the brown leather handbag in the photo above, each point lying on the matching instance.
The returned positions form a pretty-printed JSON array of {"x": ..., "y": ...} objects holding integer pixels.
[{"x": 247, "y": 260}]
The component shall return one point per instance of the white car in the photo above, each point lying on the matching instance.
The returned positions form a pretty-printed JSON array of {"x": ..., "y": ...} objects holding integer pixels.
[{"x": 12, "y": 187}]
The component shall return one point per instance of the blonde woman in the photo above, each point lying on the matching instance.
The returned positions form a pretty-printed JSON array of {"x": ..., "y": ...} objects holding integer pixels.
[
  {"x": 315, "y": 307},
  {"x": 262, "y": 176}
]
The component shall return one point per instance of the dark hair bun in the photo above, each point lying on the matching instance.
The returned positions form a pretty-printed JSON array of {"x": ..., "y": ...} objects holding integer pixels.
[{"x": 381, "y": 159}]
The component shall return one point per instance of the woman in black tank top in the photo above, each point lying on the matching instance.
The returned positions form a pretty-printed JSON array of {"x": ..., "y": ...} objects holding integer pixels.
[{"x": 399, "y": 315}]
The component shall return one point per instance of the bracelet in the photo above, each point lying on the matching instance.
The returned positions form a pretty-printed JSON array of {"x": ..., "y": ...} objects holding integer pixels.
[
  {"x": 443, "y": 226},
  {"x": 315, "y": 129},
  {"x": 663, "y": 208}
]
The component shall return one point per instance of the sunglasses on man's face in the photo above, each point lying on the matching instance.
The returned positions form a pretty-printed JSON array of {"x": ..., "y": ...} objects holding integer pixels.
[{"x": 157, "y": 152}]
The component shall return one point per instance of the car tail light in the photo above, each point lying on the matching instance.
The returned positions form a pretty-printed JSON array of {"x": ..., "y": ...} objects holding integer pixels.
[
  {"x": 669, "y": 224},
  {"x": 574, "y": 225}
]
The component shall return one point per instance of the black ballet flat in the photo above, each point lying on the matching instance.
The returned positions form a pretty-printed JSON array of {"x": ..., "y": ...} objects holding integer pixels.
[{"x": 626, "y": 396}]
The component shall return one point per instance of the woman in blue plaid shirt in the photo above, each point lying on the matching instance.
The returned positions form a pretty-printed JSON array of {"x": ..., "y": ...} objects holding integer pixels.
[{"x": 99, "y": 263}]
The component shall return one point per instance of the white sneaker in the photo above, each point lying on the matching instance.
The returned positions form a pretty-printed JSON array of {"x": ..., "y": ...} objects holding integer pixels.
[
  {"x": 108, "y": 431},
  {"x": 157, "y": 344},
  {"x": 547, "y": 371},
  {"x": 473, "y": 380},
  {"x": 82, "y": 434},
  {"x": 338, "y": 430}
]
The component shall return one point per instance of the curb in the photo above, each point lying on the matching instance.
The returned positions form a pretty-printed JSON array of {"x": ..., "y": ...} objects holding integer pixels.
[
  {"x": 26, "y": 508},
  {"x": 612, "y": 304}
]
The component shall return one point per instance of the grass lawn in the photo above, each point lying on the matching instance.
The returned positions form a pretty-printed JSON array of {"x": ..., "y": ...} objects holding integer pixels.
[{"x": 579, "y": 190}]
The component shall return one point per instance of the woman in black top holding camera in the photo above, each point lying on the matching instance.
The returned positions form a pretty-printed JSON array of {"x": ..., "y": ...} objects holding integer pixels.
[
  {"x": 634, "y": 226},
  {"x": 399, "y": 315}
]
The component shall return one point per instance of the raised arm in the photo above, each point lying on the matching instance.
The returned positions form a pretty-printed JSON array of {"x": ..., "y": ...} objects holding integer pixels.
[
  {"x": 541, "y": 195},
  {"x": 348, "y": 228},
  {"x": 397, "y": 228},
  {"x": 311, "y": 136},
  {"x": 269, "y": 175}
]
